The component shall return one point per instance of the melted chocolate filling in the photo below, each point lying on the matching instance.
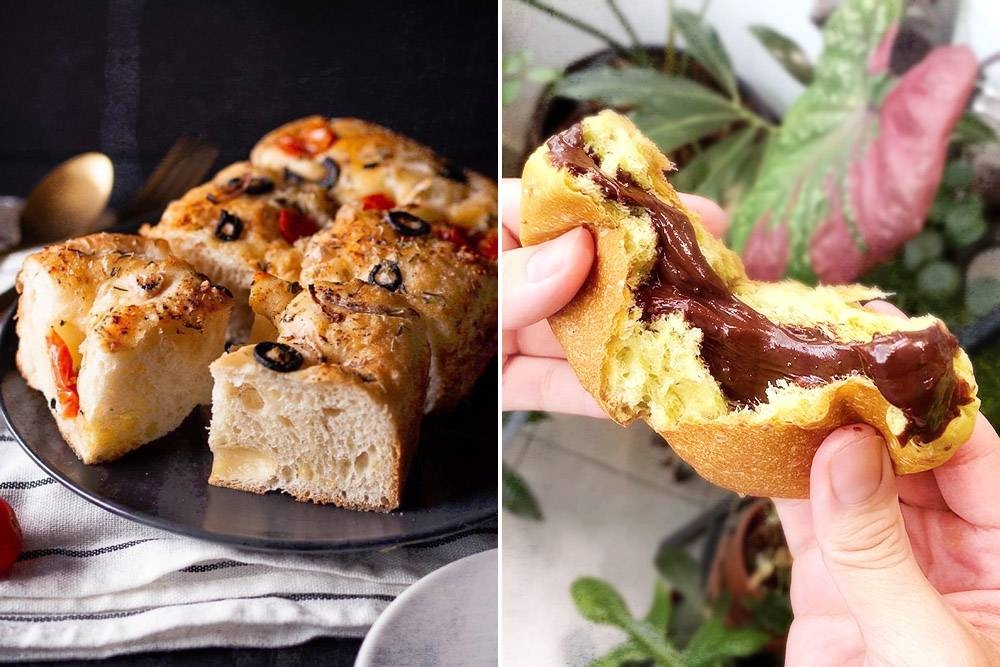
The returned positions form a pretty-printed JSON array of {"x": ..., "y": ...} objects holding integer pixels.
[{"x": 745, "y": 351}]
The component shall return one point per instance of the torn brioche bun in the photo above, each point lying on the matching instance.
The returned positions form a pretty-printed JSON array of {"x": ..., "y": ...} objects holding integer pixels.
[{"x": 654, "y": 371}]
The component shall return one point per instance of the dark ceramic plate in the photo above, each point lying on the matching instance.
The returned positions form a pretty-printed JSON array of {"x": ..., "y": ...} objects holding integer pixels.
[{"x": 452, "y": 484}]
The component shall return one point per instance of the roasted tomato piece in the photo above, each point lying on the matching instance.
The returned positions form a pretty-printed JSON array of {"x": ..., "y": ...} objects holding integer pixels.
[
  {"x": 377, "y": 202},
  {"x": 294, "y": 224},
  {"x": 64, "y": 373}
]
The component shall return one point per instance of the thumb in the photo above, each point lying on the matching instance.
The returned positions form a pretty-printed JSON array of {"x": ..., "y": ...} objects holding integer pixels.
[
  {"x": 866, "y": 550},
  {"x": 539, "y": 280}
]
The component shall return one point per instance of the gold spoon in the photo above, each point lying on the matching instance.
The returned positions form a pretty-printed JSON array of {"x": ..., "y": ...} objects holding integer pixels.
[{"x": 69, "y": 200}]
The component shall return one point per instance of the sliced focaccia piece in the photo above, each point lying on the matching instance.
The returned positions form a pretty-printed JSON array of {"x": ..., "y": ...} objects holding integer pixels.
[
  {"x": 328, "y": 410},
  {"x": 373, "y": 167},
  {"x": 453, "y": 286},
  {"x": 118, "y": 334},
  {"x": 241, "y": 222}
]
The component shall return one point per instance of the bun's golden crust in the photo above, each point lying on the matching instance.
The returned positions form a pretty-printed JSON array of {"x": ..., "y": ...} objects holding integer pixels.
[{"x": 763, "y": 451}]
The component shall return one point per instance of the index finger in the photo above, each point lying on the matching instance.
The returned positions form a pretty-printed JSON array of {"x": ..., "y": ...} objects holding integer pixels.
[{"x": 711, "y": 214}]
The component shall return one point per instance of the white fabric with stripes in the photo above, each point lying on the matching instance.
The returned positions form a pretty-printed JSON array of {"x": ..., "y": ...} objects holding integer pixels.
[{"x": 90, "y": 584}]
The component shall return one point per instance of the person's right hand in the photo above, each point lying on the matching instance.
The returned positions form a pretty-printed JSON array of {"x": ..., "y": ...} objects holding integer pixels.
[
  {"x": 894, "y": 570},
  {"x": 537, "y": 282}
]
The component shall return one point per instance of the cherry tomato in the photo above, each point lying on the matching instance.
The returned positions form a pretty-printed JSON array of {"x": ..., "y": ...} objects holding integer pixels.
[
  {"x": 377, "y": 202},
  {"x": 62, "y": 368},
  {"x": 453, "y": 234},
  {"x": 307, "y": 142},
  {"x": 294, "y": 224},
  {"x": 489, "y": 245},
  {"x": 11, "y": 539}
]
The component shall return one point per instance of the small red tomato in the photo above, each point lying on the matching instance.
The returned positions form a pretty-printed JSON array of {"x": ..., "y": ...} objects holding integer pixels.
[
  {"x": 489, "y": 245},
  {"x": 377, "y": 202},
  {"x": 294, "y": 224},
  {"x": 10, "y": 537},
  {"x": 62, "y": 368},
  {"x": 453, "y": 234},
  {"x": 292, "y": 145}
]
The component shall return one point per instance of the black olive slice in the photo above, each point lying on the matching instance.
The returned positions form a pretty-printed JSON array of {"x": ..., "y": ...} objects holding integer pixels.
[
  {"x": 453, "y": 172},
  {"x": 292, "y": 178},
  {"x": 332, "y": 173},
  {"x": 407, "y": 224},
  {"x": 258, "y": 185},
  {"x": 386, "y": 274},
  {"x": 277, "y": 356},
  {"x": 230, "y": 227},
  {"x": 234, "y": 183}
]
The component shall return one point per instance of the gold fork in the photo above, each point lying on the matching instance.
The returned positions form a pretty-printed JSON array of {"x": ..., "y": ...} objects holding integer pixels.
[{"x": 183, "y": 167}]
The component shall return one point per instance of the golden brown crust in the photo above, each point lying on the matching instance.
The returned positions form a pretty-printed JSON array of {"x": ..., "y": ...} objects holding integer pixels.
[
  {"x": 454, "y": 289},
  {"x": 750, "y": 451}
]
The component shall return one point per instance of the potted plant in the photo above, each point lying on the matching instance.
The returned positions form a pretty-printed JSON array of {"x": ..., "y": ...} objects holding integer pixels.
[{"x": 713, "y": 125}]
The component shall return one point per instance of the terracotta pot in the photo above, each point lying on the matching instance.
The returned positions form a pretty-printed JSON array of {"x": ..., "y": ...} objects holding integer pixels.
[{"x": 729, "y": 571}]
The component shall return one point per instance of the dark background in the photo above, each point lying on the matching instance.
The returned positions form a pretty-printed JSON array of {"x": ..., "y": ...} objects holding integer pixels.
[{"x": 128, "y": 77}]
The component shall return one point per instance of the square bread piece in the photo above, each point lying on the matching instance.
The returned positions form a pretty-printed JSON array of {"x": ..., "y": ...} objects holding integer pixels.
[
  {"x": 118, "y": 334},
  {"x": 453, "y": 286},
  {"x": 328, "y": 410}
]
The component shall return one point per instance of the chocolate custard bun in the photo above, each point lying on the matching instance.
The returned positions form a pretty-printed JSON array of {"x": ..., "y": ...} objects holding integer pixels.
[{"x": 743, "y": 378}]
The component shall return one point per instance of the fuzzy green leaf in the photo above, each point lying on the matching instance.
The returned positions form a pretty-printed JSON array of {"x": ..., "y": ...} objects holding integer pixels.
[
  {"x": 661, "y": 609},
  {"x": 939, "y": 280},
  {"x": 925, "y": 247},
  {"x": 623, "y": 654},
  {"x": 970, "y": 129},
  {"x": 788, "y": 54},
  {"x": 670, "y": 110},
  {"x": 599, "y": 602},
  {"x": 829, "y": 123},
  {"x": 510, "y": 91},
  {"x": 964, "y": 223},
  {"x": 958, "y": 175},
  {"x": 714, "y": 642},
  {"x": 703, "y": 44},
  {"x": 517, "y": 497}
]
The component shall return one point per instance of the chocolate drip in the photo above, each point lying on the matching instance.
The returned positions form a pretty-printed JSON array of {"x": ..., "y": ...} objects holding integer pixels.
[{"x": 745, "y": 351}]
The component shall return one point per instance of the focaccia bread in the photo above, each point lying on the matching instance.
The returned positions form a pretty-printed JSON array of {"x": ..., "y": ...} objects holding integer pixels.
[
  {"x": 118, "y": 334},
  {"x": 452, "y": 286},
  {"x": 744, "y": 379},
  {"x": 376, "y": 168},
  {"x": 328, "y": 410},
  {"x": 243, "y": 221}
]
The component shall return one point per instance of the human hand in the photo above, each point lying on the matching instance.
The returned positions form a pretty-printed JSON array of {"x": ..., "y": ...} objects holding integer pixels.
[
  {"x": 537, "y": 282},
  {"x": 895, "y": 570}
]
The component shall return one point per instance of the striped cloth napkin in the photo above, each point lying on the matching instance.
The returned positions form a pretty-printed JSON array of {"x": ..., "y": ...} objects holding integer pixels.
[{"x": 90, "y": 584}]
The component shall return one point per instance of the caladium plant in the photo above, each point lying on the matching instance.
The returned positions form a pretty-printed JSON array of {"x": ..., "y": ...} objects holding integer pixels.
[{"x": 851, "y": 173}]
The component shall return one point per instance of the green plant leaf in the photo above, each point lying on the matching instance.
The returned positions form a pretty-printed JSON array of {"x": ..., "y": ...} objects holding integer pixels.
[
  {"x": 670, "y": 110},
  {"x": 772, "y": 613},
  {"x": 599, "y": 602},
  {"x": 958, "y": 175},
  {"x": 517, "y": 497},
  {"x": 681, "y": 571},
  {"x": 512, "y": 63},
  {"x": 788, "y": 54},
  {"x": 829, "y": 132},
  {"x": 982, "y": 295},
  {"x": 661, "y": 609},
  {"x": 510, "y": 91},
  {"x": 723, "y": 168},
  {"x": 623, "y": 654},
  {"x": 939, "y": 280},
  {"x": 971, "y": 129},
  {"x": 714, "y": 642},
  {"x": 544, "y": 74},
  {"x": 923, "y": 248},
  {"x": 964, "y": 223},
  {"x": 703, "y": 44}
]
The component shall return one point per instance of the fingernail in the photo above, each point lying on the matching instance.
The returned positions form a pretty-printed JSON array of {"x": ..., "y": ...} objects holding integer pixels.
[
  {"x": 856, "y": 470},
  {"x": 548, "y": 260}
]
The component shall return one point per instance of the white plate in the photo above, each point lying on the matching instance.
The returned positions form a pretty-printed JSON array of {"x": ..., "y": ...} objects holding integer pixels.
[{"x": 447, "y": 618}]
